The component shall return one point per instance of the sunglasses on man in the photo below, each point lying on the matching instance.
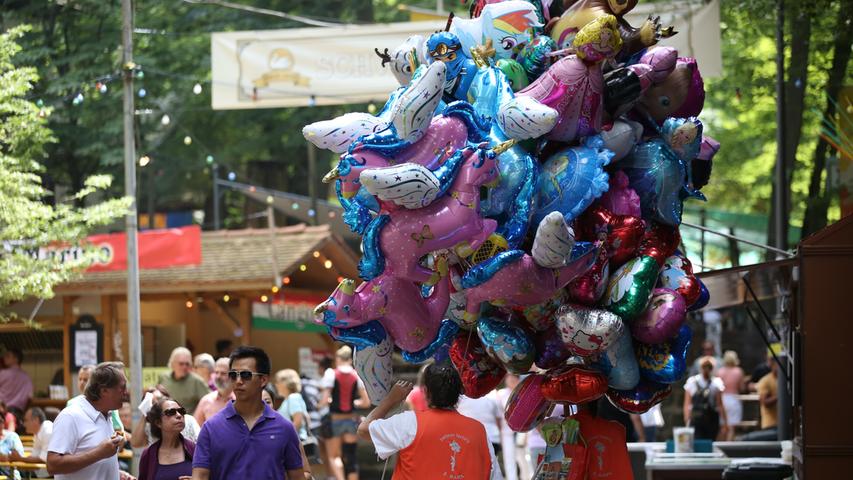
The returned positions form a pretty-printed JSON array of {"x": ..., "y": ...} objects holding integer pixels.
[
  {"x": 171, "y": 412},
  {"x": 244, "y": 375}
]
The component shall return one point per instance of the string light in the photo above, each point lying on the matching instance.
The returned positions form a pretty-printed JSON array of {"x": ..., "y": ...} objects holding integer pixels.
[
  {"x": 274, "y": 289},
  {"x": 340, "y": 279},
  {"x": 226, "y": 298},
  {"x": 209, "y": 159},
  {"x": 144, "y": 160},
  {"x": 188, "y": 140},
  {"x": 77, "y": 99},
  {"x": 316, "y": 254},
  {"x": 264, "y": 298},
  {"x": 102, "y": 87},
  {"x": 327, "y": 264},
  {"x": 232, "y": 176},
  {"x": 303, "y": 267},
  {"x": 166, "y": 119},
  {"x": 142, "y": 93},
  {"x": 197, "y": 89},
  {"x": 286, "y": 281},
  {"x": 189, "y": 304}
]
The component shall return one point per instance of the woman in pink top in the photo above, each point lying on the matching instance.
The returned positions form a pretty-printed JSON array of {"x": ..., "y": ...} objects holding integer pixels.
[{"x": 734, "y": 380}]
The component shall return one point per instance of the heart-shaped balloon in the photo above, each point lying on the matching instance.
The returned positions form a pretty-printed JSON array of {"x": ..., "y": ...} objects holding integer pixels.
[
  {"x": 573, "y": 384},
  {"x": 704, "y": 297},
  {"x": 630, "y": 287},
  {"x": 665, "y": 362},
  {"x": 551, "y": 350},
  {"x": 507, "y": 343},
  {"x": 526, "y": 406},
  {"x": 619, "y": 364},
  {"x": 659, "y": 242},
  {"x": 640, "y": 398},
  {"x": 661, "y": 319},
  {"x": 587, "y": 331},
  {"x": 479, "y": 372},
  {"x": 677, "y": 274},
  {"x": 589, "y": 287},
  {"x": 622, "y": 233}
]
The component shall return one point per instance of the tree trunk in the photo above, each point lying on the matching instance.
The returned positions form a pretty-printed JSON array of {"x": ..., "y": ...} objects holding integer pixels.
[
  {"x": 818, "y": 200},
  {"x": 799, "y": 16}
]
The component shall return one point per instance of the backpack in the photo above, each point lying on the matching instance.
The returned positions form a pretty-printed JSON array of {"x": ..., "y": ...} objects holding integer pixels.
[{"x": 704, "y": 408}]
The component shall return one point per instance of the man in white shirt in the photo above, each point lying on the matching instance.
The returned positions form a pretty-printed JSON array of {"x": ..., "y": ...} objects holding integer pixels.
[
  {"x": 487, "y": 411},
  {"x": 84, "y": 444},
  {"x": 37, "y": 425}
]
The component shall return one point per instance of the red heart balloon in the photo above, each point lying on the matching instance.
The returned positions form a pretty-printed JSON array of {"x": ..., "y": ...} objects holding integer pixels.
[
  {"x": 573, "y": 384},
  {"x": 589, "y": 287},
  {"x": 479, "y": 372},
  {"x": 659, "y": 242},
  {"x": 622, "y": 233}
]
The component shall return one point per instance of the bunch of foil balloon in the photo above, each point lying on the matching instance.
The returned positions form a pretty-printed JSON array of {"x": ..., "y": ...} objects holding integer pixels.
[{"x": 519, "y": 198}]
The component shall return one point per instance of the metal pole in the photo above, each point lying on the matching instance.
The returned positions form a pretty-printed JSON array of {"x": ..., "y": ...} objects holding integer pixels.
[
  {"x": 780, "y": 201},
  {"x": 134, "y": 331},
  {"x": 702, "y": 222},
  {"x": 312, "y": 179},
  {"x": 215, "y": 196},
  {"x": 274, "y": 256}
]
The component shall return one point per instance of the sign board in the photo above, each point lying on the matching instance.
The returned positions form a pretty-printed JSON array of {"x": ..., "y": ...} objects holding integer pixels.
[
  {"x": 157, "y": 249},
  {"x": 306, "y": 66},
  {"x": 293, "y": 313}
]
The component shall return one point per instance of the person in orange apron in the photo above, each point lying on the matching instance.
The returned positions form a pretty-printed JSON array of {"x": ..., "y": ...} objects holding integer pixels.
[{"x": 436, "y": 443}]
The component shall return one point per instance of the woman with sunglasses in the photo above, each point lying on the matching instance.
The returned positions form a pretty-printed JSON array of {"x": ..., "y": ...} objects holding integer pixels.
[{"x": 171, "y": 456}]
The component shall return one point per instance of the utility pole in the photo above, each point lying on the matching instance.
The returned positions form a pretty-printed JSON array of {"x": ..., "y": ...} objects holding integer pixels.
[
  {"x": 216, "y": 196},
  {"x": 134, "y": 331},
  {"x": 276, "y": 273}
]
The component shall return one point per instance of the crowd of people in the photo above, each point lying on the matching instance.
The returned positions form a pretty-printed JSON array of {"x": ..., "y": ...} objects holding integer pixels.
[{"x": 233, "y": 417}]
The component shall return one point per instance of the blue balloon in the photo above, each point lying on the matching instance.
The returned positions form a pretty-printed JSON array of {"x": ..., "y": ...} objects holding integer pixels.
[
  {"x": 507, "y": 343},
  {"x": 665, "y": 362},
  {"x": 619, "y": 364},
  {"x": 659, "y": 170},
  {"x": 367, "y": 335},
  {"x": 572, "y": 179},
  {"x": 704, "y": 297}
]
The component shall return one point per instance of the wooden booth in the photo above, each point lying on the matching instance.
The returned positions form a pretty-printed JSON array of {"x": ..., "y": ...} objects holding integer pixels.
[{"x": 230, "y": 293}]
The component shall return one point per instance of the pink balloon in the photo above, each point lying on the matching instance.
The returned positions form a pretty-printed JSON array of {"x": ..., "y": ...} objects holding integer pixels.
[
  {"x": 621, "y": 199},
  {"x": 526, "y": 406},
  {"x": 523, "y": 282},
  {"x": 411, "y": 320},
  {"x": 451, "y": 221},
  {"x": 576, "y": 90},
  {"x": 444, "y": 137},
  {"x": 663, "y": 317}
]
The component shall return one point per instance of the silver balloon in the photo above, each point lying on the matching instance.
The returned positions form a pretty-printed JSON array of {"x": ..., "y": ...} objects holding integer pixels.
[{"x": 588, "y": 331}]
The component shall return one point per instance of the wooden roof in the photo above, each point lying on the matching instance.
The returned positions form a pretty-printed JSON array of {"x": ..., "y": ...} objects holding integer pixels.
[{"x": 239, "y": 260}]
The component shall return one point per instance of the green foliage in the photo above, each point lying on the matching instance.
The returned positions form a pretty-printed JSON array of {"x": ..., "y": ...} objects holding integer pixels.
[
  {"x": 28, "y": 219},
  {"x": 740, "y": 107}
]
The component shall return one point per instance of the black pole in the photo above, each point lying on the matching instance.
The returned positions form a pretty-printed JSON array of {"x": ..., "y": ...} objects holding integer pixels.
[
  {"x": 780, "y": 202},
  {"x": 215, "y": 196}
]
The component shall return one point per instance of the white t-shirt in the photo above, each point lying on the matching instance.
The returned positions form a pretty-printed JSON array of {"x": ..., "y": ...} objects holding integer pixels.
[
  {"x": 485, "y": 410},
  {"x": 41, "y": 440},
  {"x": 697, "y": 382},
  {"x": 80, "y": 428},
  {"x": 398, "y": 432}
]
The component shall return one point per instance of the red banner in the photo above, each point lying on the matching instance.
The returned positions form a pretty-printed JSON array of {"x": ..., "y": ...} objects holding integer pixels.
[{"x": 157, "y": 249}]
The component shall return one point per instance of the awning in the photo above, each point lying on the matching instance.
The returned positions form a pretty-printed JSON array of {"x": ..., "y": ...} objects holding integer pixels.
[{"x": 729, "y": 288}]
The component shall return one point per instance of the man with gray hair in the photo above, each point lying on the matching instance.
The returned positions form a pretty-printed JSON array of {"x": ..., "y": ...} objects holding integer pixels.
[
  {"x": 185, "y": 387},
  {"x": 37, "y": 425},
  {"x": 84, "y": 444},
  {"x": 213, "y": 402},
  {"x": 203, "y": 367}
]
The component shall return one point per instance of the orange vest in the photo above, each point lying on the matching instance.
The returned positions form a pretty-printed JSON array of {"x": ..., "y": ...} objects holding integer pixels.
[
  {"x": 606, "y": 451},
  {"x": 447, "y": 445}
]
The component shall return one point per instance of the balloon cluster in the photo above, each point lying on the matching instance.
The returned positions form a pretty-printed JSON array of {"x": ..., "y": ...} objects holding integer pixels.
[{"x": 519, "y": 199}]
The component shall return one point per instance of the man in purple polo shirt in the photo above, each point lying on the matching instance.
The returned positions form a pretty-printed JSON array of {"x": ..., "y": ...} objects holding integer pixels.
[{"x": 247, "y": 439}]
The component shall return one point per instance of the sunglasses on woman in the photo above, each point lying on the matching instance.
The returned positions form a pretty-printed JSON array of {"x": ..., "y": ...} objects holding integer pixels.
[
  {"x": 171, "y": 412},
  {"x": 244, "y": 375}
]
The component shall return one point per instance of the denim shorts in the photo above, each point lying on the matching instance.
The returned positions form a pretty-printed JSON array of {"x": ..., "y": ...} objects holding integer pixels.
[{"x": 344, "y": 425}]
